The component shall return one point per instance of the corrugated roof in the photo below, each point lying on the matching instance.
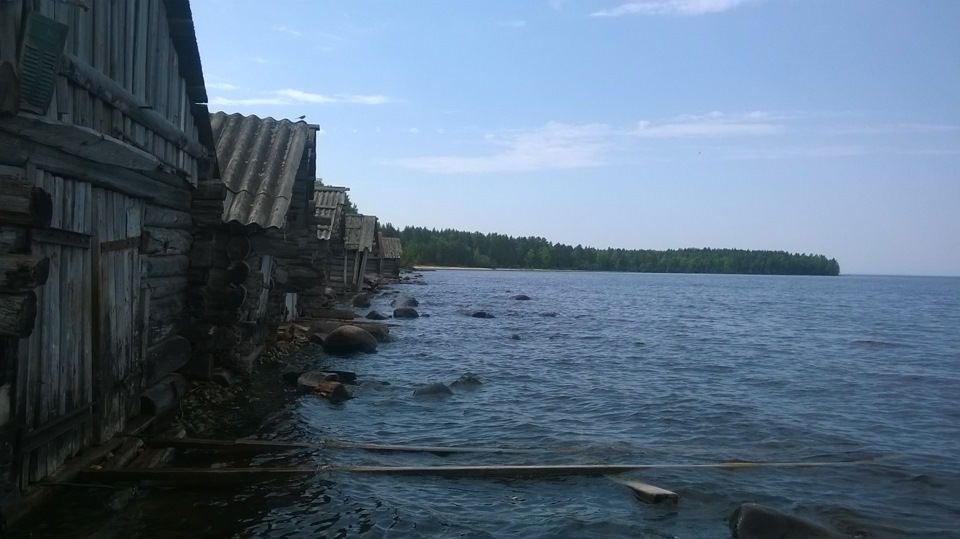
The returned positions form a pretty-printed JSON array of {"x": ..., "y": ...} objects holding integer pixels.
[
  {"x": 360, "y": 231},
  {"x": 258, "y": 160},
  {"x": 328, "y": 202},
  {"x": 390, "y": 248}
]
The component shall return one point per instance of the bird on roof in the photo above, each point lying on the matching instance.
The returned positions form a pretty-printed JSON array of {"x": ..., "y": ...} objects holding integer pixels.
[{"x": 301, "y": 117}]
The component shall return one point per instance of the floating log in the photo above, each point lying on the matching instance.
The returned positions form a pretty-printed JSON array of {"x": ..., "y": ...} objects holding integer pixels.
[
  {"x": 163, "y": 396},
  {"x": 165, "y": 266},
  {"x": 648, "y": 493},
  {"x": 166, "y": 241},
  {"x": 21, "y": 203},
  {"x": 18, "y": 314},
  {"x": 166, "y": 218},
  {"x": 238, "y": 248},
  {"x": 23, "y": 272},
  {"x": 14, "y": 239},
  {"x": 166, "y": 357}
]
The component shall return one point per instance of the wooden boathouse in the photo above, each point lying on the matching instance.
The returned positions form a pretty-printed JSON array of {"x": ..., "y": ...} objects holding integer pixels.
[{"x": 103, "y": 140}]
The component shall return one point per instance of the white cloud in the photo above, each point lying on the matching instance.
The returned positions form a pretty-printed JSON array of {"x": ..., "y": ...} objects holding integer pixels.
[
  {"x": 669, "y": 7},
  {"x": 289, "y": 96},
  {"x": 225, "y": 86},
  {"x": 714, "y": 124},
  {"x": 287, "y": 30},
  {"x": 515, "y": 23},
  {"x": 554, "y": 146},
  {"x": 413, "y": 131}
]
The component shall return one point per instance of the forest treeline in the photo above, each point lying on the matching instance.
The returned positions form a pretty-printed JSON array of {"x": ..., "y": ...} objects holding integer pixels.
[{"x": 423, "y": 246}]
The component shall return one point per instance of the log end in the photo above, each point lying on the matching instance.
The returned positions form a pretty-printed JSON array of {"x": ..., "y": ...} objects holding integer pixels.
[{"x": 41, "y": 207}]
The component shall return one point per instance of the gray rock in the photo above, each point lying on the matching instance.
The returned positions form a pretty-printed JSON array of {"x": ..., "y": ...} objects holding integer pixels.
[
  {"x": 435, "y": 389},
  {"x": 482, "y": 314},
  {"x": 348, "y": 339},
  {"x": 361, "y": 300},
  {"x": 404, "y": 301},
  {"x": 375, "y": 315},
  {"x": 467, "y": 380},
  {"x": 405, "y": 312},
  {"x": 520, "y": 297},
  {"x": 309, "y": 381},
  {"x": 515, "y": 337},
  {"x": 755, "y": 521}
]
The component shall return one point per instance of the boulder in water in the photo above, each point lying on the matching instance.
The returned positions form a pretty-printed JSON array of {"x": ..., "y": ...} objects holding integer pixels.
[
  {"x": 361, "y": 300},
  {"x": 520, "y": 297},
  {"x": 347, "y": 339},
  {"x": 435, "y": 389},
  {"x": 482, "y": 314},
  {"x": 404, "y": 301},
  {"x": 405, "y": 312},
  {"x": 375, "y": 315},
  {"x": 755, "y": 521},
  {"x": 467, "y": 380}
]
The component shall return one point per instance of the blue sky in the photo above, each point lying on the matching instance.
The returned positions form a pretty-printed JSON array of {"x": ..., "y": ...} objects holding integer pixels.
[{"x": 817, "y": 126}]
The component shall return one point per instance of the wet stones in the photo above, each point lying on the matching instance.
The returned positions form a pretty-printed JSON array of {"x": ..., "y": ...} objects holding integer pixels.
[
  {"x": 467, "y": 380},
  {"x": 376, "y": 315},
  {"x": 482, "y": 314},
  {"x": 361, "y": 300},
  {"x": 521, "y": 297},
  {"x": 404, "y": 301}
]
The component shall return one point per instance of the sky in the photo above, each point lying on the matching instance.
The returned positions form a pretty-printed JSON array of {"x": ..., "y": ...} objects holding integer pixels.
[{"x": 810, "y": 126}]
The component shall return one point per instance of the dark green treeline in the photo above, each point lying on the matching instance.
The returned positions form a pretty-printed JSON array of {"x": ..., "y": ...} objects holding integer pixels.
[{"x": 422, "y": 246}]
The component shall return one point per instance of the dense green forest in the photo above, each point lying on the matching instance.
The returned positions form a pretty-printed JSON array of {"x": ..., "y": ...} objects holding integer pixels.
[{"x": 422, "y": 246}]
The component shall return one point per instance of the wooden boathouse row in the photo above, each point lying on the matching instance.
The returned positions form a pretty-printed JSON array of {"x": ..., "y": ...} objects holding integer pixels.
[{"x": 143, "y": 240}]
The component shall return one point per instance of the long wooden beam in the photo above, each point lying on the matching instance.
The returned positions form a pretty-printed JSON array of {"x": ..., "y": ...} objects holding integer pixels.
[{"x": 130, "y": 105}]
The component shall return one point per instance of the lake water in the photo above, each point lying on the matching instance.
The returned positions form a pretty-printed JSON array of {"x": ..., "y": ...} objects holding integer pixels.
[{"x": 625, "y": 369}]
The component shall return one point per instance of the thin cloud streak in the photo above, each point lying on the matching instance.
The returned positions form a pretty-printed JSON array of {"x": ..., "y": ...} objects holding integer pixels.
[
  {"x": 291, "y": 96},
  {"x": 554, "y": 146},
  {"x": 669, "y": 7},
  {"x": 714, "y": 124}
]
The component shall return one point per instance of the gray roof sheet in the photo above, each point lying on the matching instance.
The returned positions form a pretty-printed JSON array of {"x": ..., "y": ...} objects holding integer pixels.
[
  {"x": 390, "y": 248},
  {"x": 328, "y": 204},
  {"x": 360, "y": 231},
  {"x": 258, "y": 160}
]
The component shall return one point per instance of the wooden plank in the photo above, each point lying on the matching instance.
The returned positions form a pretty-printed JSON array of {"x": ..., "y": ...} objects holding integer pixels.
[
  {"x": 61, "y": 237},
  {"x": 646, "y": 492}
]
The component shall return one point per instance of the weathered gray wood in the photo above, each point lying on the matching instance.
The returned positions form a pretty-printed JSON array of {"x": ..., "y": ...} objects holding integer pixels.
[
  {"x": 238, "y": 248},
  {"x": 214, "y": 190},
  {"x": 156, "y": 216},
  {"x": 165, "y": 318},
  {"x": 165, "y": 266},
  {"x": 162, "y": 287},
  {"x": 14, "y": 239},
  {"x": 18, "y": 151},
  {"x": 163, "y": 396},
  {"x": 18, "y": 314},
  {"x": 9, "y": 89},
  {"x": 165, "y": 358},
  {"x": 121, "y": 99},
  {"x": 22, "y": 203},
  {"x": 21, "y": 271},
  {"x": 166, "y": 241}
]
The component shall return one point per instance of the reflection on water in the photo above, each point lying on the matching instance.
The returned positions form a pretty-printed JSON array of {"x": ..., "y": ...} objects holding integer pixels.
[{"x": 624, "y": 369}]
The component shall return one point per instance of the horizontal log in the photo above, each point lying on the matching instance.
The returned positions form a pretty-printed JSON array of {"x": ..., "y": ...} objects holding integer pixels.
[
  {"x": 214, "y": 191},
  {"x": 238, "y": 248},
  {"x": 163, "y": 396},
  {"x": 18, "y": 314},
  {"x": 21, "y": 272},
  {"x": 165, "y": 266},
  {"x": 14, "y": 239},
  {"x": 22, "y": 203},
  {"x": 165, "y": 358},
  {"x": 235, "y": 273},
  {"x": 162, "y": 287},
  {"x": 166, "y": 241},
  {"x": 131, "y": 106},
  {"x": 229, "y": 297},
  {"x": 18, "y": 151},
  {"x": 265, "y": 245},
  {"x": 166, "y": 218}
]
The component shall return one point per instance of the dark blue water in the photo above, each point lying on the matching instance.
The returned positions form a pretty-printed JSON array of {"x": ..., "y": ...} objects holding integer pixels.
[
  {"x": 632, "y": 368},
  {"x": 619, "y": 369}
]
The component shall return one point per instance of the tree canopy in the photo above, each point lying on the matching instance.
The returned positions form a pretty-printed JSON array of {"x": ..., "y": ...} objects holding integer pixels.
[{"x": 447, "y": 247}]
